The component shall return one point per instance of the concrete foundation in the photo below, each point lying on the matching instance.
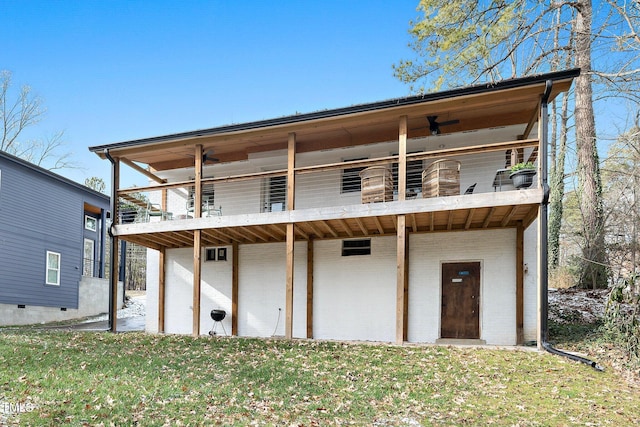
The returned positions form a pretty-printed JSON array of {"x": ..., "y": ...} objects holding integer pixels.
[{"x": 93, "y": 300}]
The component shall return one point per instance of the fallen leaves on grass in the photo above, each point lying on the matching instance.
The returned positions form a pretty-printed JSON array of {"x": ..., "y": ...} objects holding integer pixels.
[{"x": 94, "y": 379}]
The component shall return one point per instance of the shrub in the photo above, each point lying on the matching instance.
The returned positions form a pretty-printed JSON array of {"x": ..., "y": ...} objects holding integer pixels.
[{"x": 621, "y": 323}]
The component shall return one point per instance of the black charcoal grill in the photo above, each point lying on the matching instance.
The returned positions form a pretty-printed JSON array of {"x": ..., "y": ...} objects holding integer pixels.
[{"x": 217, "y": 316}]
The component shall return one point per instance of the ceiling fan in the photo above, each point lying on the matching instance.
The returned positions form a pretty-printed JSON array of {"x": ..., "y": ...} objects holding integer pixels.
[
  {"x": 207, "y": 156},
  {"x": 434, "y": 126}
]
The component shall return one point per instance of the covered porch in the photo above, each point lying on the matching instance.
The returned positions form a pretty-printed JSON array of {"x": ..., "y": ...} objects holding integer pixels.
[{"x": 488, "y": 129}]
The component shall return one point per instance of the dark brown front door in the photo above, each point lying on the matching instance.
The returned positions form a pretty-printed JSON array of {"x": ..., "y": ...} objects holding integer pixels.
[{"x": 460, "y": 300}]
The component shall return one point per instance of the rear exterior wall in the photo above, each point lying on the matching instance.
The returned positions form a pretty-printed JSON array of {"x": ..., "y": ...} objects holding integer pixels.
[{"x": 355, "y": 296}]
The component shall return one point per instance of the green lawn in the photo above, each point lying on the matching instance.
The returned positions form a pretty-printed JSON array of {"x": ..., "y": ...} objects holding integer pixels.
[{"x": 137, "y": 379}]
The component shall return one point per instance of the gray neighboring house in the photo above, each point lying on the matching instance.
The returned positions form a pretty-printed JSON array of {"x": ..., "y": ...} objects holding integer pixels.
[{"x": 52, "y": 245}]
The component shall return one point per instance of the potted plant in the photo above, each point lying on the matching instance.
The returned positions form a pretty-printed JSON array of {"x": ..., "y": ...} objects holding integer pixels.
[{"x": 522, "y": 174}]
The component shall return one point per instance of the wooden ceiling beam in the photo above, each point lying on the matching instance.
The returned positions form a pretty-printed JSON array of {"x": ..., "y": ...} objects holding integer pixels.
[
  {"x": 378, "y": 224},
  {"x": 328, "y": 227},
  {"x": 488, "y": 218},
  {"x": 450, "y": 220},
  {"x": 507, "y": 218},
  {"x": 302, "y": 233},
  {"x": 315, "y": 230},
  {"x": 224, "y": 233},
  {"x": 165, "y": 240},
  {"x": 256, "y": 234},
  {"x": 143, "y": 171},
  {"x": 279, "y": 230},
  {"x": 467, "y": 223},
  {"x": 363, "y": 228},
  {"x": 345, "y": 226},
  {"x": 238, "y": 235},
  {"x": 304, "y": 228},
  {"x": 269, "y": 232},
  {"x": 178, "y": 237},
  {"x": 148, "y": 243},
  {"x": 208, "y": 236},
  {"x": 414, "y": 223},
  {"x": 530, "y": 217}
]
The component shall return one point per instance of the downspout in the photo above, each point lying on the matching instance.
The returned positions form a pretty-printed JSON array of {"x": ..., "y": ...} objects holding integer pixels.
[
  {"x": 544, "y": 246},
  {"x": 113, "y": 250}
]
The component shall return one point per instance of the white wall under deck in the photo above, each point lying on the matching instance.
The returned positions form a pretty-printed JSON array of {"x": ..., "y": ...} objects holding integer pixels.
[{"x": 355, "y": 296}]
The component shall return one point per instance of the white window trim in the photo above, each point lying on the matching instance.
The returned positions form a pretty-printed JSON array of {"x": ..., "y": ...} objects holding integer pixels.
[
  {"x": 57, "y": 270},
  {"x": 90, "y": 220},
  {"x": 87, "y": 263}
]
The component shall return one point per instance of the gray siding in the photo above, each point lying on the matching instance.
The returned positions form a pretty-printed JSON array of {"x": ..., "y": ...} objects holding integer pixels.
[{"x": 40, "y": 212}]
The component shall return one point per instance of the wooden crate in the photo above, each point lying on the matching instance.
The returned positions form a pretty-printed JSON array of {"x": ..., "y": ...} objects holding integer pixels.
[
  {"x": 441, "y": 178},
  {"x": 376, "y": 184}
]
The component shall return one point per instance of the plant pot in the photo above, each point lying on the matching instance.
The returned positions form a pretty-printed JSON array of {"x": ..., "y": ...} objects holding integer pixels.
[{"x": 522, "y": 178}]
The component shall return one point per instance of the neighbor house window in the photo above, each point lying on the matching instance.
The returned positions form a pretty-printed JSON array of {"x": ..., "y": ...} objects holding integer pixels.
[
  {"x": 87, "y": 269},
  {"x": 356, "y": 247},
  {"x": 90, "y": 223},
  {"x": 351, "y": 178},
  {"x": 53, "y": 268}
]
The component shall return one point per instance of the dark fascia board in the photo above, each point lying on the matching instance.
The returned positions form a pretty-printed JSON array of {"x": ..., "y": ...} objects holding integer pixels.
[
  {"x": 380, "y": 105},
  {"x": 53, "y": 175}
]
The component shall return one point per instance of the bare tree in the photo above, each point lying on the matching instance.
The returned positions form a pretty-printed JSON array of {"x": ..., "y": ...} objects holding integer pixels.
[
  {"x": 462, "y": 42},
  {"x": 19, "y": 111}
]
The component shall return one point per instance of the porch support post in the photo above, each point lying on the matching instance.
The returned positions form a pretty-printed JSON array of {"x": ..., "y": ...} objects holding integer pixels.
[
  {"x": 115, "y": 245},
  {"x": 310, "y": 288},
  {"x": 288, "y": 326},
  {"x": 402, "y": 281},
  {"x": 234, "y": 289},
  {"x": 197, "y": 242},
  {"x": 402, "y": 158},
  {"x": 291, "y": 164},
  {"x": 161, "y": 290},
  {"x": 163, "y": 203},
  {"x": 520, "y": 284}
]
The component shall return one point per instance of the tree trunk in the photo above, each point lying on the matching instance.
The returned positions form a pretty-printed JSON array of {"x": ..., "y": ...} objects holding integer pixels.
[{"x": 593, "y": 273}]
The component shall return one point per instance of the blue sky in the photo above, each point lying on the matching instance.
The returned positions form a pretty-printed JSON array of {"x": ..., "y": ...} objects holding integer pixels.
[{"x": 116, "y": 70}]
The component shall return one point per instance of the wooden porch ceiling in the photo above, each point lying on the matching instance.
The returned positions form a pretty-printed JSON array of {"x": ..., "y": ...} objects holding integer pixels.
[
  {"x": 477, "y": 215},
  {"x": 477, "y": 111}
]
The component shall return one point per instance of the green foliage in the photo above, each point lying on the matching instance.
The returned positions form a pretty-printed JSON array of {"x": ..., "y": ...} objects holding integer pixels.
[
  {"x": 522, "y": 166},
  {"x": 96, "y": 184},
  {"x": 622, "y": 318},
  {"x": 139, "y": 379},
  {"x": 456, "y": 39}
]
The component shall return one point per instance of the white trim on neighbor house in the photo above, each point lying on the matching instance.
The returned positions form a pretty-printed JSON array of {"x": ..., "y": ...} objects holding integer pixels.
[
  {"x": 52, "y": 272},
  {"x": 88, "y": 257},
  {"x": 90, "y": 223}
]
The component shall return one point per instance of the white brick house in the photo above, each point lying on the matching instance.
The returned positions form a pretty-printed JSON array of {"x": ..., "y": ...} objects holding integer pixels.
[{"x": 271, "y": 222}]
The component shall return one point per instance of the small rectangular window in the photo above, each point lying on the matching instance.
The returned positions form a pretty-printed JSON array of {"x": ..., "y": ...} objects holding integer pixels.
[
  {"x": 215, "y": 254},
  {"x": 351, "y": 178},
  {"x": 90, "y": 223},
  {"x": 210, "y": 254},
  {"x": 53, "y": 269},
  {"x": 356, "y": 247}
]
